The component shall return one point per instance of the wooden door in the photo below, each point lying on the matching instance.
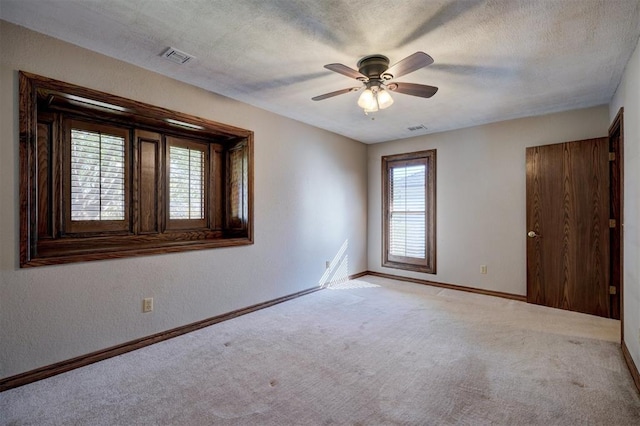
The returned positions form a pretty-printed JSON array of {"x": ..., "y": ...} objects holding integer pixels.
[{"x": 568, "y": 226}]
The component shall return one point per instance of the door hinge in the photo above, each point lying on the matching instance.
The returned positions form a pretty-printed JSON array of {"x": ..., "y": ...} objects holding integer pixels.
[
  {"x": 612, "y": 290},
  {"x": 612, "y": 223},
  {"x": 612, "y": 156}
]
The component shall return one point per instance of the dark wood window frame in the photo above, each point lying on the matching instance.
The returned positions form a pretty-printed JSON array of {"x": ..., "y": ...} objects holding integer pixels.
[
  {"x": 428, "y": 263},
  {"x": 47, "y": 109}
]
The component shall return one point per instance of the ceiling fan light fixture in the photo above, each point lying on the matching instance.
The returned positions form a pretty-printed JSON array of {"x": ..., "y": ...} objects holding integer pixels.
[
  {"x": 367, "y": 100},
  {"x": 374, "y": 99},
  {"x": 384, "y": 99}
]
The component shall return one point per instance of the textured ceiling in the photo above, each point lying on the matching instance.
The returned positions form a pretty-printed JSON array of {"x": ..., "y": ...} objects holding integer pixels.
[{"x": 494, "y": 59}]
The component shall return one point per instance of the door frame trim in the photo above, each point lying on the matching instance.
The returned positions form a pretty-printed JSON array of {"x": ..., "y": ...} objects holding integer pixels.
[{"x": 618, "y": 126}]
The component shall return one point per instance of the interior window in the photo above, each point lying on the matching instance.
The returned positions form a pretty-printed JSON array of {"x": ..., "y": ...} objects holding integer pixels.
[
  {"x": 110, "y": 177},
  {"x": 409, "y": 211}
]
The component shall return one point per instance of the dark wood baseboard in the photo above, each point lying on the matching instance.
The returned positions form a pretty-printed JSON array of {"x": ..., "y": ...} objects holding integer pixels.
[
  {"x": 450, "y": 286},
  {"x": 81, "y": 361},
  {"x": 358, "y": 275},
  {"x": 632, "y": 365}
]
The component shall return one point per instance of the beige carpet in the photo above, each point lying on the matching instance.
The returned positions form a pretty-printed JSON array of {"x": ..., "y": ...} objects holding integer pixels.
[{"x": 366, "y": 352}]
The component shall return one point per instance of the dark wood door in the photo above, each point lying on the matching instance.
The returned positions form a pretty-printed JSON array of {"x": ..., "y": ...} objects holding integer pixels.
[{"x": 568, "y": 226}]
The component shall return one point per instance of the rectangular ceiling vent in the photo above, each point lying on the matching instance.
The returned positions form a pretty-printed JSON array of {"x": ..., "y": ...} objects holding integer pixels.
[
  {"x": 177, "y": 56},
  {"x": 416, "y": 128}
]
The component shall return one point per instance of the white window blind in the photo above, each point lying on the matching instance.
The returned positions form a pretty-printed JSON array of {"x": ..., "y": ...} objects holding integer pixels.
[
  {"x": 186, "y": 183},
  {"x": 407, "y": 211},
  {"x": 97, "y": 176}
]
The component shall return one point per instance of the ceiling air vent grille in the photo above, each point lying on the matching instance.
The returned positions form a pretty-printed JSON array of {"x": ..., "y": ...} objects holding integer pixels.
[
  {"x": 416, "y": 128},
  {"x": 177, "y": 56}
]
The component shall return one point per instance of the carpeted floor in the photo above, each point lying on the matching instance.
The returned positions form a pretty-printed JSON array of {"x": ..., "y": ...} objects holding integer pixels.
[{"x": 371, "y": 351}]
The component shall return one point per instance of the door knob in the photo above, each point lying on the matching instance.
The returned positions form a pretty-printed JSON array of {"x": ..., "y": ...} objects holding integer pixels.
[{"x": 532, "y": 234}]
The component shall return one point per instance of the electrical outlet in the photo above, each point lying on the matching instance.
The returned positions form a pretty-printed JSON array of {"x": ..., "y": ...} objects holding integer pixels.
[
  {"x": 483, "y": 269},
  {"x": 327, "y": 264},
  {"x": 147, "y": 304}
]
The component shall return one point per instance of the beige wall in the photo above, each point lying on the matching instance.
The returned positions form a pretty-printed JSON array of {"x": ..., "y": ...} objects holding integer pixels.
[
  {"x": 315, "y": 193},
  {"x": 310, "y": 198},
  {"x": 628, "y": 96},
  {"x": 480, "y": 195}
]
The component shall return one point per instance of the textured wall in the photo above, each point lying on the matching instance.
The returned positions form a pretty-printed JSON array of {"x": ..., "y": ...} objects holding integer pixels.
[
  {"x": 310, "y": 198},
  {"x": 480, "y": 195},
  {"x": 628, "y": 96}
]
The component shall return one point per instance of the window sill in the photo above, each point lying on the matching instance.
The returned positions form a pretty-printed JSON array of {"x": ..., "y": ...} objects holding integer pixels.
[
  {"x": 79, "y": 250},
  {"x": 410, "y": 267}
]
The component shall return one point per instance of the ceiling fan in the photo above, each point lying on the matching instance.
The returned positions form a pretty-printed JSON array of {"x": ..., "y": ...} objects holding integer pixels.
[{"x": 376, "y": 75}]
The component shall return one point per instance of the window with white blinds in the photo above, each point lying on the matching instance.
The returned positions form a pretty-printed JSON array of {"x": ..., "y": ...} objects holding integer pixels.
[
  {"x": 186, "y": 183},
  {"x": 409, "y": 211},
  {"x": 97, "y": 176}
]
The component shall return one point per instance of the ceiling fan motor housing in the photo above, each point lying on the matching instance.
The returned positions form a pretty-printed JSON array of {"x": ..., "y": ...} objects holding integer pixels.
[{"x": 373, "y": 66}]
